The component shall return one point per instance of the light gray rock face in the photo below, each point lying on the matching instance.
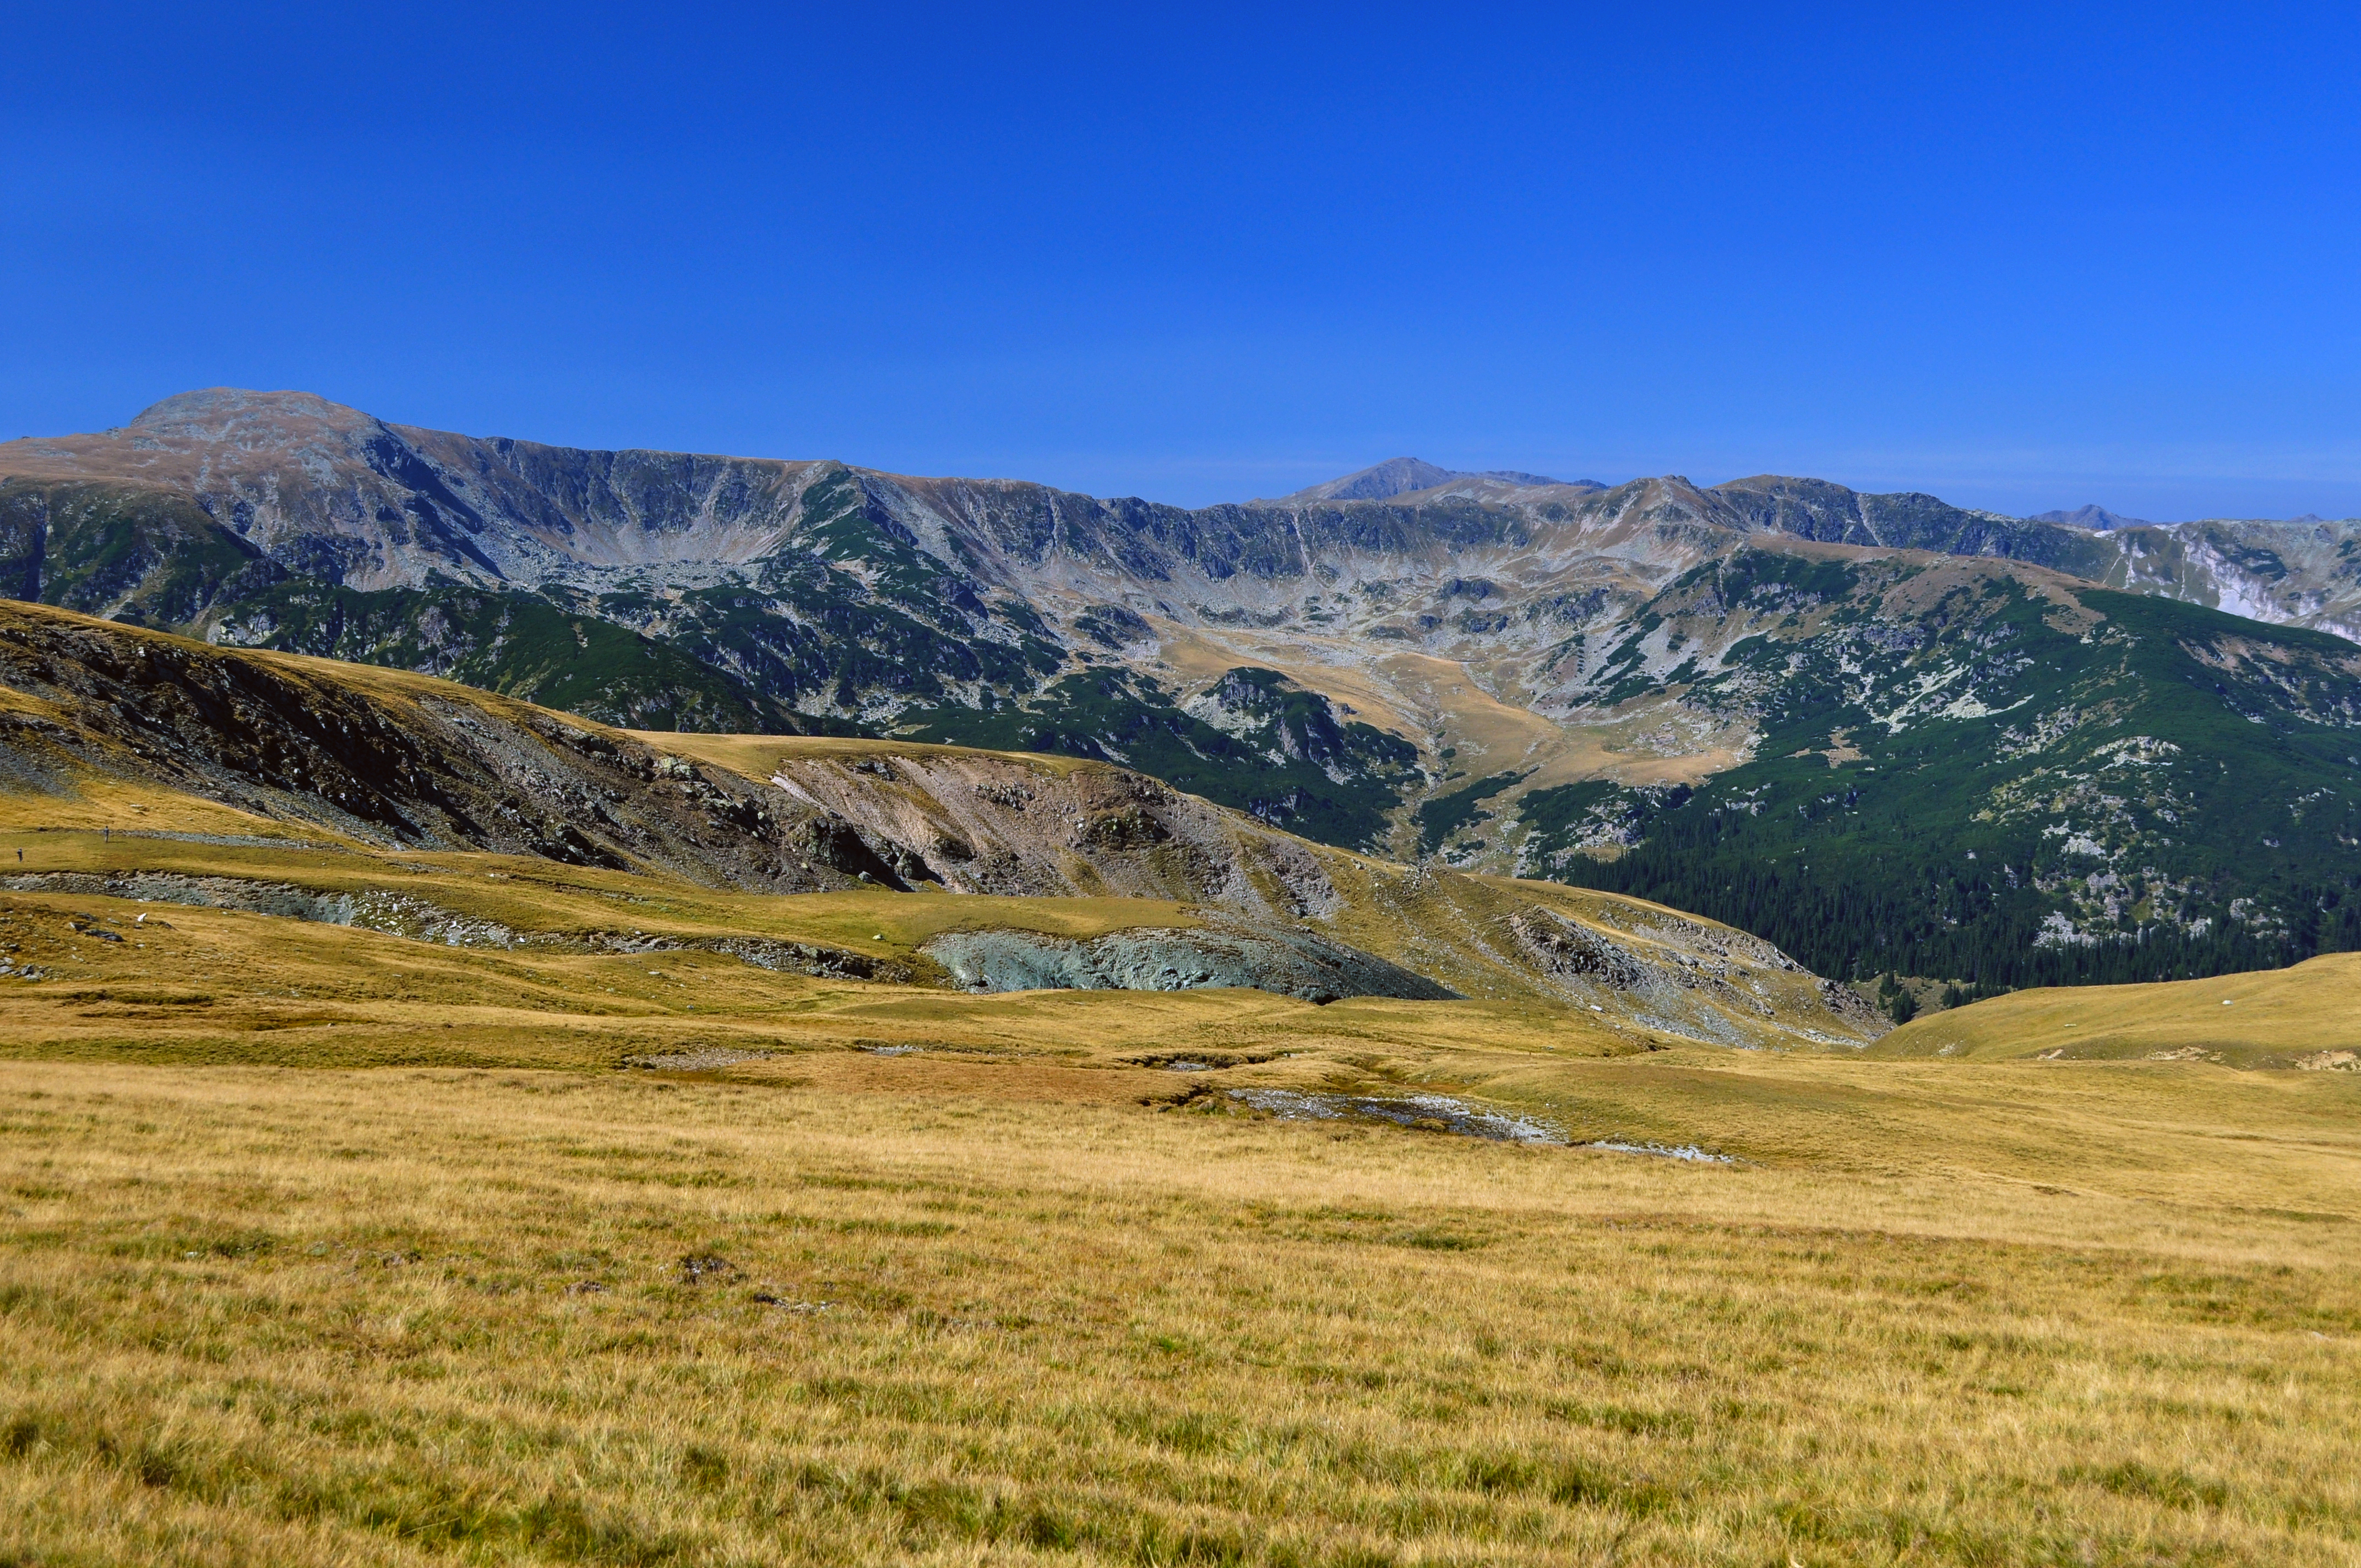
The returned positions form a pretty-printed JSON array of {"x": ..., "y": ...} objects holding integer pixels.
[
  {"x": 1292, "y": 963},
  {"x": 1412, "y": 476}
]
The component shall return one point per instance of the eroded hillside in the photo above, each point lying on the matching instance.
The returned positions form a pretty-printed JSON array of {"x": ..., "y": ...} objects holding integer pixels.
[{"x": 311, "y": 789}]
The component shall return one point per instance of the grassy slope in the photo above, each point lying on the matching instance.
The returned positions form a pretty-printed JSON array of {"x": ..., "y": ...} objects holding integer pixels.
[
  {"x": 2307, "y": 1013},
  {"x": 227, "y": 986},
  {"x": 1077, "y": 1308},
  {"x": 1448, "y": 927},
  {"x": 757, "y": 756},
  {"x": 1424, "y": 923}
]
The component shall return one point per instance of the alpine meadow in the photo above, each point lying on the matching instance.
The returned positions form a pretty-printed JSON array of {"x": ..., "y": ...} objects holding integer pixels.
[
  {"x": 743, "y": 823},
  {"x": 999, "y": 1027}
]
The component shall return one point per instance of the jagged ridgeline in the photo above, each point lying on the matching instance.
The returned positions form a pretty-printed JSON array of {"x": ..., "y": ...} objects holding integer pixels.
[{"x": 1791, "y": 705}]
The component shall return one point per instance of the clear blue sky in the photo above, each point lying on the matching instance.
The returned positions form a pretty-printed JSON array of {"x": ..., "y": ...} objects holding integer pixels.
[{"x": 2021, "y": 258}]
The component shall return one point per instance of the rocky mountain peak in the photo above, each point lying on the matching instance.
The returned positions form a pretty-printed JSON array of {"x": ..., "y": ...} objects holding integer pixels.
[
  {"x": 1379, "y": 481},
  {"x": 1406, "y": 475},
  {"x": 242, "y": 435},
  {"x": 2092, "y": 516},
  {"x": 215, "y": 435},
  {"x": 214, "y": 408}
]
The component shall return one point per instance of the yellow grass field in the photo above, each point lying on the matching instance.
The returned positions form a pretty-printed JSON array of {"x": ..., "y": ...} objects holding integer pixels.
[
  {"x": 2307, "y": 1017},
  {"x": 835, "y": 1307},
  {"x": 320, "y": 1244}
]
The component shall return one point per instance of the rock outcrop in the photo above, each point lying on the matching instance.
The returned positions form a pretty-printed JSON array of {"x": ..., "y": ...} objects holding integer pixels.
[{"x": 1293, "y": 964}]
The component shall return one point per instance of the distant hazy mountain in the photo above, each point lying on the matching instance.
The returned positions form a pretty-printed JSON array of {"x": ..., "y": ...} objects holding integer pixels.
[
  {"x": 2090, "y": 517},
  {"x": 1777, "y": 701},
  {"x": 1408, "y": 476}
]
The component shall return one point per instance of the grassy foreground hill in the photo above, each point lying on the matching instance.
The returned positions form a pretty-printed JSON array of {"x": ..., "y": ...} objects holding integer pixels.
[
  {"x": 965, "y": 1306},
  {"x": 387, "y": 1177},
  {"x": 2307, "y": 1018}
]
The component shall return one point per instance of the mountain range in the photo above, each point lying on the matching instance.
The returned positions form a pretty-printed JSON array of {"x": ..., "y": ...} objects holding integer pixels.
[{"x": 1885, "y": 732}]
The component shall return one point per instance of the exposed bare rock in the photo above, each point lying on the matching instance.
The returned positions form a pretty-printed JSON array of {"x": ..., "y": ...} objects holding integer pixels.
[
  {"x": 1291, "y": 962},
  {"x": 1567, "y": 951},
  {"x": 1854, "y": 1008},
  {"x": 980, "y": 822}
]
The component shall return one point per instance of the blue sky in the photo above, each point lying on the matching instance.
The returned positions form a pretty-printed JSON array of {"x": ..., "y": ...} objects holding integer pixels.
[{"x": 2021, "y": 258}]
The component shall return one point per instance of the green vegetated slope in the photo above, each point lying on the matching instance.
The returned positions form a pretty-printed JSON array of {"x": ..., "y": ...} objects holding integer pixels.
[
  {"x": 848, "y": 615},
  {"x": 137, "y": 554},
  {"x": 1962, "y": 777},
  {"x": 1446, "y": 813},
  {"x": 520, "y": 645},
  {"x": 148, "y": 558}
]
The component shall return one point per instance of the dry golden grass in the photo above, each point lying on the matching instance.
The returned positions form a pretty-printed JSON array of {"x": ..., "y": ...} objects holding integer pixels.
[
  {"x": 1450, "y": 928},
  {"x": 411, "y": 1316},
  {"x": 193, "y": 984},
  {"x": 323, "y": 1245},
  {"x": 100, "y": 801},
  {"x": 2307, "y": 1015}
]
